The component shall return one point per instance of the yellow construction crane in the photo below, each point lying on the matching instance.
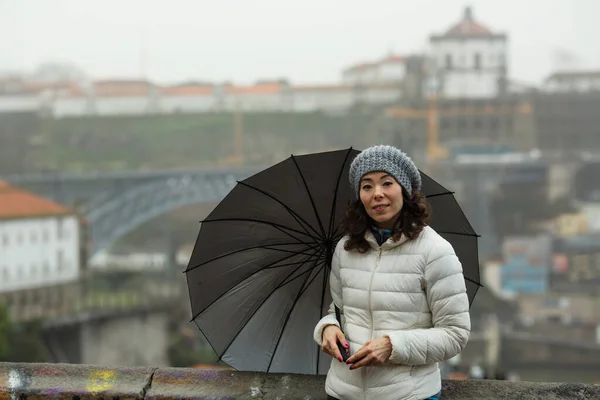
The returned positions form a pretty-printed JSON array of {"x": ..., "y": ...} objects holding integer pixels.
[
  {"x": 432, "y": 113},
  {"x": 237, "y": 155}
]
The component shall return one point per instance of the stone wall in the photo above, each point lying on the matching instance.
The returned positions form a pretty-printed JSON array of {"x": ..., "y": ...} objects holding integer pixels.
[
  {"x": 77, "y": 382},
  {"x": 138, "y": 340},
  {"x": 131, "y": 338}
]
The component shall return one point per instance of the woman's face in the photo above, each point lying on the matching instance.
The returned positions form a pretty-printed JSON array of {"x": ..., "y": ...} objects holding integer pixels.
[{"x": 381, "y": 195}]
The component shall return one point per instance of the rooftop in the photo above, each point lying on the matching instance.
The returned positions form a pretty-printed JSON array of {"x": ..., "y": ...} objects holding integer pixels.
[
  {"x": 16, "y": 203},
  {"x": 390, "y": 59},
  {"x": 467, "y": 27},
  {"x": 570, "y": 75}
]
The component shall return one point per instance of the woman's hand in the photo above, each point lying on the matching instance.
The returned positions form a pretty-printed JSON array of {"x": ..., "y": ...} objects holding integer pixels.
[
  {"x": 374, "y": 352},
  {"x": 331, "y": 335}
]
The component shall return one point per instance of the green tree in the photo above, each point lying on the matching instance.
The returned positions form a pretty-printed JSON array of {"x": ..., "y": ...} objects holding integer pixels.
[
  {"x": 20, "y": 342},
  {"x": 186, "y": 351},
  {"x": 26, "y": 343}
]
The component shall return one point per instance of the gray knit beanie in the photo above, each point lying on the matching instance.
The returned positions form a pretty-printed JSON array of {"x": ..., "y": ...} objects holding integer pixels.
[{"x": 386, "y": 159}]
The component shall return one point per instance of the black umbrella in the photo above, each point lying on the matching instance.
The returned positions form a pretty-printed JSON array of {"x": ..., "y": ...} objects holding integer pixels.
[{"x": 258, "y": 274}]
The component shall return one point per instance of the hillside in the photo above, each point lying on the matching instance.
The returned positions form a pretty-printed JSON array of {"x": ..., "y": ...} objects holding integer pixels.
[{"x": 175, "y": 141}]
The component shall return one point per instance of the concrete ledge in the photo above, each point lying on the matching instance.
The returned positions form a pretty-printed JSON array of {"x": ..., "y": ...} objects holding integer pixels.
[{"x": 78, "y": 382}]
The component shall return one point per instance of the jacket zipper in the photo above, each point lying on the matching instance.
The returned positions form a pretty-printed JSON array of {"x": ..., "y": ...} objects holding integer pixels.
[{"x": 364, "y": 372}]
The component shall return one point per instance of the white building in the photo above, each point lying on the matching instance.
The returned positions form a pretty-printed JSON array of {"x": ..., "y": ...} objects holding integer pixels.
[
  {"x": 575, "y": 81},
  {"x": 189, "y": 98},
  {"x": 39, "y": 242},
  {"x": 389, "y": 70},
  {"x": 470, "y": 61}
]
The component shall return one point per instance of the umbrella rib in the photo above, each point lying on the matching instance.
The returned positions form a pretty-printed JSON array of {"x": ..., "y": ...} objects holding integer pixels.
[
  {"x": 464, "y": 215},
  {"x": 439, "y": 194},
  {"x": 287, "y": 282},
  {"x": 460, "y": 233},
  {"x": 255, "y": 311},
  {"x": 316, "y": 256},
  {"x": 262, "y": 222},
  {"x": 312, "y": 201},
  {"x": 295, "y": 215},
  {"x": 335, "y": 193},
  {"x": 287, "y": 319},
  {"x": 292, "y": 263},
  {"x": 246, "y": 277},
  {"x": 292, "y": 236},
  {"x": 322, "y": 264},
  {"x": 338, "y": 236},
  {"x": 323, "y": 289},
  {"x": 242, "y": 250},
  {"x": 473, "y": 281},
  {"x": 286, "y": 251}
]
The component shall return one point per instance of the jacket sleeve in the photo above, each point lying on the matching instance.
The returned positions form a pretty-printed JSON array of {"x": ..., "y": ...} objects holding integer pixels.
[
  {"x": 336, "y": 295},
  {"x": 447, "y": 298}
]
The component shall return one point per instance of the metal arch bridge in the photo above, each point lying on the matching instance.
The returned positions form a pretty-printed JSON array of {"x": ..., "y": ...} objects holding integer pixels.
[
  {"x": 116, "y": 204},
  {"x": 121, "y": 214}
]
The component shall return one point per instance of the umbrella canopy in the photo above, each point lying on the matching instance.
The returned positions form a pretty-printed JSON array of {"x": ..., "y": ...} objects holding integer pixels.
[{"x": 258, "y": 274}]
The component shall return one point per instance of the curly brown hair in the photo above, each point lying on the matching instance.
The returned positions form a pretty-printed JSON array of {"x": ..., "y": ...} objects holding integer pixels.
[{"x": 414, "y": 216}]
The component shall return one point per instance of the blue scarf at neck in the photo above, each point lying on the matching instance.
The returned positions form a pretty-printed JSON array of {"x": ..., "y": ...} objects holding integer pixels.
[{"x": 381, "y": 235}]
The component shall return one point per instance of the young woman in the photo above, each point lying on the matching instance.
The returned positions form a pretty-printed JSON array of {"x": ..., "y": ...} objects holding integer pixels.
[{"x": 399, "y": 286}]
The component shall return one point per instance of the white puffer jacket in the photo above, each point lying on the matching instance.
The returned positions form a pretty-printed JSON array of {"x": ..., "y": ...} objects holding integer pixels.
[{"x": 414, "y": 293}]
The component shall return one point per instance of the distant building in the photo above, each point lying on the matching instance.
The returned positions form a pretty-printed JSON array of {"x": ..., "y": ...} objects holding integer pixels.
[
  {"x": 470, "y": 61},
  {"x": 565, "y": 122},
  {"x": 39, "y": 247},
  {"x": 573, "y": 81},
  {"x": 389, "y": 70}
]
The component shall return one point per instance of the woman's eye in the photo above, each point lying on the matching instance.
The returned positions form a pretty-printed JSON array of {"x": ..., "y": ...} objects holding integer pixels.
[
  {"x": 366, "y": 187},
  {"x": 387, "y": 183}
]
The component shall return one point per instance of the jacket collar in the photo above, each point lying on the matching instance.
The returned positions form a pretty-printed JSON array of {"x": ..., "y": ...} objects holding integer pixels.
[{"x": 388, "y": 244}]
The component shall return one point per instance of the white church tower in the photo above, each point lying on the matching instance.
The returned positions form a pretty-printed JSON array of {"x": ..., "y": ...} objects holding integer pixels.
[{"x": 470, "y": 61}]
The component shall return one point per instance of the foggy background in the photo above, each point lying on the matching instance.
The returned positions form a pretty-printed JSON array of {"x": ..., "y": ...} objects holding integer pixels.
[{"x": 123, "y": 123}]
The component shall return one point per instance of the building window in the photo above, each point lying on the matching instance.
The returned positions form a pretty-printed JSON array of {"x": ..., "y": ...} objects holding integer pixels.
[
  {"x": 477, "y": 61},
  {"x": 501, "y": 60},
  {"x": 448, "y": 61},
  {"x": 45, "y": 236},
  {"x": 60, "y": 260},
  {"x": 494, "y": 124},
  {"x": 60, "y": 229}
]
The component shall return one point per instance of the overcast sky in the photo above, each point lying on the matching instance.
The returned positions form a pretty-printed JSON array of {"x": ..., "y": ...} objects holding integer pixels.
[{"x": 306, "y": 41}]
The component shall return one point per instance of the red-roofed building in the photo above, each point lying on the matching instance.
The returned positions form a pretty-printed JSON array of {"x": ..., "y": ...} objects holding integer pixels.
[
  {"x": 389, "y": 70},
  {"x": 39, "y": 241},
  {"x": 470, "y": 60},
  {"x": 468, "y": 27}
]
